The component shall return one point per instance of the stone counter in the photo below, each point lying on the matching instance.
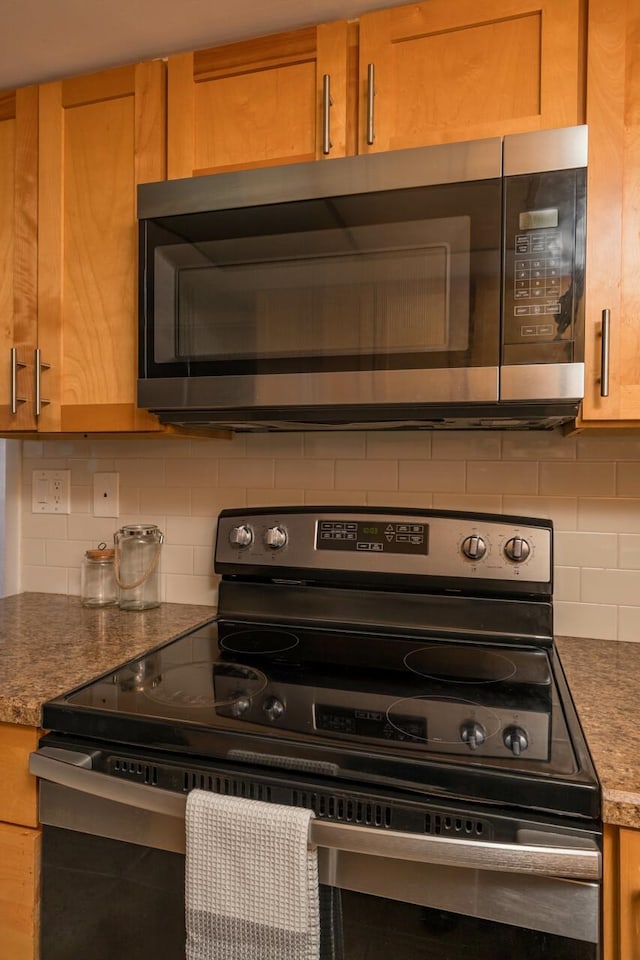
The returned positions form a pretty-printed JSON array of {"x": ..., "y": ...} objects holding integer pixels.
[
  {"x": 604, "y": 678},
  {"x": 51, "y": 643}
]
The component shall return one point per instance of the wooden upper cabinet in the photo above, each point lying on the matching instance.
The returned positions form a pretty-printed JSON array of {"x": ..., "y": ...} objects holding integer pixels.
[
  {"x": 99, "y": 136},
  {"x": 259, "y": 102},
  {"x": 613, "y": 213},
  {"x": 18, "y": 255},
  {"x": 448, "y": 71}
]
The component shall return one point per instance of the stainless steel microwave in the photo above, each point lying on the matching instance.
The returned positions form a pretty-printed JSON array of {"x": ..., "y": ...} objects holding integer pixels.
[{"x": 433, "y": 287}]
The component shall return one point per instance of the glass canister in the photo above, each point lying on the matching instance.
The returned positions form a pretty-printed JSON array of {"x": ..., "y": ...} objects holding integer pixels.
[
  {"x": 97, "y": 578},
  {"x": 137, "y": 554}
]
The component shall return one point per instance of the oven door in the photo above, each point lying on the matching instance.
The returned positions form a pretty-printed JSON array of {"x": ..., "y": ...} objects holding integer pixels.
[{"x": 113, "y": 882}]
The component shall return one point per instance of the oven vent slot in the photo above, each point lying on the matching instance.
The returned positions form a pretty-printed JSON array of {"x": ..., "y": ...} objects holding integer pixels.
[
  {"x": 343, "y": 809},
  {"x": 227, "y": 786},
  {"x": 133, "y": 769},
  {"x": 439, "y": 825}
]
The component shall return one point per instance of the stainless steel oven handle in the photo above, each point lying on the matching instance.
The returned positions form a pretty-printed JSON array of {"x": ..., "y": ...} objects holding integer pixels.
[{"x": 575, "y": 863}]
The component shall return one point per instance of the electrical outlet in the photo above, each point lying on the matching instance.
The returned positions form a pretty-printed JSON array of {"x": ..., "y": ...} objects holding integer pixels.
[
  {"x": 51, "y": 491},
  {"x": 105, "y": 495}
]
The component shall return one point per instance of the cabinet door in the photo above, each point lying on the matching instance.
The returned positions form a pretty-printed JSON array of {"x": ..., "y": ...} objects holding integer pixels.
[
  {"x": 459, "y": 71},
  {"x": 629, "y": 894},
  {"x": 19, "y": 892},
  {"x": 613, "y": 214},
  {"x": 258, "y": 103},
  {"x": 18, "y": 255},
  {"x": 100, "y": 135}
]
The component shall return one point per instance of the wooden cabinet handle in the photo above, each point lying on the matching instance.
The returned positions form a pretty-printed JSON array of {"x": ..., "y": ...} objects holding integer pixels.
[
  {"x": 604, "y": 353},
  {"x": 14, "y": 399},
  {"x": 371, "y": 92},
  {"x": 327, "y": 103},
  {"x": 40, "y": 366}
]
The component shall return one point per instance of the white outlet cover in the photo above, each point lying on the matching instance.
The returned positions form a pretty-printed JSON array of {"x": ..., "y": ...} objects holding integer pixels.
[
  {"x": 105, "y": 495},
  {"x": 51, "y": 491}
]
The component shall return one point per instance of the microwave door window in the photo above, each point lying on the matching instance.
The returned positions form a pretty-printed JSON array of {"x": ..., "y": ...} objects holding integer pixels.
[{"x": 393, "y": 289}]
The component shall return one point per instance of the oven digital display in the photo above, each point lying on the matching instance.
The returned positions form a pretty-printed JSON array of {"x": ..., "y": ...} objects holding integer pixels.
[
  {"x": 369, "y": 723},
  {"x": 359, "y": 536}
]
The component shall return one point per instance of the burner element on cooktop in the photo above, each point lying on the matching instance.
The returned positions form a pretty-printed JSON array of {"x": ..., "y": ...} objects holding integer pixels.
[
  {"x": 460, "y": 665},
  {"x": 258, "y": 641},
  {"x": 194, "y": 685}
]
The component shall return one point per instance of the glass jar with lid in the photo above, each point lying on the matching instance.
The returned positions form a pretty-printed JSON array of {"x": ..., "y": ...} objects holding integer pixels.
[
  {"x": 137, "y": 555},
  {"x": 97, "y": 578}
]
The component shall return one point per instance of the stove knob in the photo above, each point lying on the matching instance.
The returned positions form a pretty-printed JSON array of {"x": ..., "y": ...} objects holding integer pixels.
[
  {"x": 473, "y": 734},
  {"x": 517, "y": 549},
  {"x": 240, "y": 706},
  {"x": 276, "y": 537},
  {"x": 516, "y": 740},
  {"x": 273, "y": 708},
  {"x": 241, "y": 536},
  {"x": 474, "y": 547}
]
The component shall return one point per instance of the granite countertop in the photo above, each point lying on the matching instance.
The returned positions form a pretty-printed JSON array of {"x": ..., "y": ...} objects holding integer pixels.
[
  {"x": 604, "y": 678},
  {"x": 49, "y": 643}
]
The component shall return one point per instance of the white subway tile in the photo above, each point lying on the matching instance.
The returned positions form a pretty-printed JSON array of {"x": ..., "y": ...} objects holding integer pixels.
[
  {"x": 479, "y": 503},
  {"x": 128, "y": 500},
  {"x": 466, "y": 445},
  {"x": 247, "y": 472},
  {"x": 74, "y": 582},
  {"x": 140, "y": 471},
  {"x": 80, "y": 499},
  {"x": 502, "y": 476},
  {"x": 66, "y": 553},
  {"x": 300, "y": 474},
  {"x": 183, "y": 589},
  {"x": 193, "y": 473},
  {"x": 165, "y": 500},
  {"x": 44, "y": 580},
  {"x": 209, "y": 501},
  {"x": 177, "y": 559},
  {"x": 93, "y": 529},
  {"x": 608, "y": 515},
  {"x": 596, "y": 446},
  {"x": 432, "y": 476},
  {"x": 595, "y": 620},
  {"x": 574, "y": 548},
  {"x": 563, "y": 511},
  {"x": 577, "y": 479},
  {"x": 49, "y": 526},
  {"x": 202, "y": 562},
  {"x": 399, "y": 445},
  {"x": 566, "y": 585},
  {"x": 278, "y": 497},
  {"x": 629, "y": 624},
  {"x": 333, "y": 446},
  {"x": 33, "y": 449},
  {"x": 628, "y": 480},
  {"x": 234, "y": 446},
  {"x": 190, "y": 531},
  {"x": 546, "y": 445},
  {"x": 415, "y": 499},
  {"x": 335, "y": 498},
  {"x": 611, "y": 586},
  {"x": 277, "y": 446},
  {"x": 628, "y": 551},
  {"x": 361, "y": 474},
  {"x": 33, "y": 551}
]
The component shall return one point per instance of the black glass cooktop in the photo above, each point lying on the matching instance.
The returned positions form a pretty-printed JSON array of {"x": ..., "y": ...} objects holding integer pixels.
[{"x": 455, "y": 718}]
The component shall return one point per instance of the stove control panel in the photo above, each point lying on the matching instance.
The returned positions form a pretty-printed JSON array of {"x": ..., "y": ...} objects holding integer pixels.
[{"x": 429, "y": 543}]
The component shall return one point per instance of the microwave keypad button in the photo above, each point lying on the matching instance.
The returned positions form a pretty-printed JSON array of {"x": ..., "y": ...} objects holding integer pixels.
[
  {"x": 528, "y": 331},
  {"x": 521, "y": 311}
]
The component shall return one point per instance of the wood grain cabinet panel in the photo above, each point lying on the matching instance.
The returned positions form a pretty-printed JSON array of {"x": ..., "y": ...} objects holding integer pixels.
[
  {"x": 19, "y": 892},
  {"x": 613, "y": 217},
  {"x": 18, "y": 256},
  {"x": 257, "y": 103},
  {"x": 99, "y": 136},
  {"x": 621, "y": 914},
  {"x": 446, "y": 71}
]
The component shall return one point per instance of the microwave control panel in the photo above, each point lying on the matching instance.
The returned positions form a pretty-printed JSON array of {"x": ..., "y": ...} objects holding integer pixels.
[{"x": 544, "y": 257}]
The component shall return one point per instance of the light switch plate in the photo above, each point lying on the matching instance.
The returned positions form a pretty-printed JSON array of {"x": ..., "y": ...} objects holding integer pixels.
[
  {"x": 51, "y": 491},
  {"x": 105, "y": 495}
]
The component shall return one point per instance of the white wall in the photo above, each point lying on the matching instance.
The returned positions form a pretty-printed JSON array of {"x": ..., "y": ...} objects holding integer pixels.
[{"x": 588, "y": 485}]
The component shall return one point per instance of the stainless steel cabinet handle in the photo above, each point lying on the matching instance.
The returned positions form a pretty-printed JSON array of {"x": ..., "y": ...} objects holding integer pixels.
[
  {"x": 575, "y": 862},
  {"x": 327, "y": 103},
  {"x": 371, "y": 92},
  {"x": 604, "y": 354},
  {"x": 14, "y": 399},
  {"x": 40, "y": 366}
]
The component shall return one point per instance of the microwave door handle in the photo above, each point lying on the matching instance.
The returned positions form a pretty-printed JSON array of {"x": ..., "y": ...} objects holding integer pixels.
[{"x": 65, "y": 768}]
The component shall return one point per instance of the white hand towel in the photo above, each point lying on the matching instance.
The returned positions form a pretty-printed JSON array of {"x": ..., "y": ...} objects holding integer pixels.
[{"x": 251, "y": 881}]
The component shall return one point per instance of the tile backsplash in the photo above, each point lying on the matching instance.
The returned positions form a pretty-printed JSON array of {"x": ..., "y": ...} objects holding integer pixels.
[{"x": 589, "y": 485}]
